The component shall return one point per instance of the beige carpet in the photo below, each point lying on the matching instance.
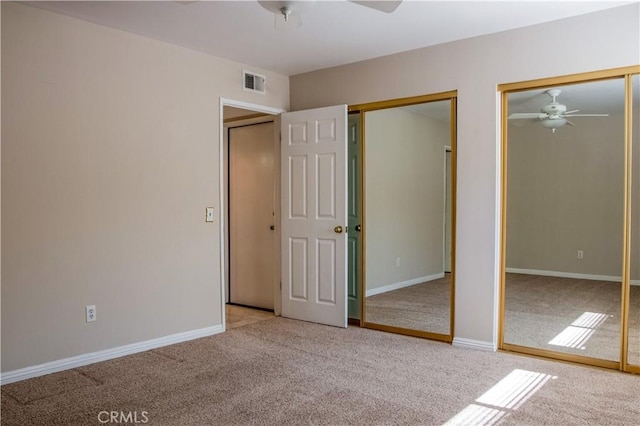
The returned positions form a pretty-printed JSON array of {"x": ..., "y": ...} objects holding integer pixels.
[
  {"x": 424, "y": 306},
  {"x": 569, "y": 315},
  {"x": 286, "y": 372}
]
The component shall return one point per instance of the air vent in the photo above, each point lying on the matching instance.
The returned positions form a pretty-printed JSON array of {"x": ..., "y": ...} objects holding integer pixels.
[{"x": 253, "y": 82}]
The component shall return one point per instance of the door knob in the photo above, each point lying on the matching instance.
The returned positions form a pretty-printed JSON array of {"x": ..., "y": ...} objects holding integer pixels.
[
  {"x": 358, "y": 228},
  {"x": 338, "y": 229},
  {"x": 272, "y": 227}
]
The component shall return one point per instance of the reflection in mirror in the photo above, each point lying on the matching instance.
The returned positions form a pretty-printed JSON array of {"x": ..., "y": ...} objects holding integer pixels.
[
  {"x": 634, "y": 300},
  {"x": 564, "y": 219},
  {"x": 354, "y": 235},
  {"x": 408, "y": 192}
]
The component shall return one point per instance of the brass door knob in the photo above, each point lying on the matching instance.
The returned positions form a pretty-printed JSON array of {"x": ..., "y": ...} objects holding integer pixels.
[
  {"x": 338, "y": 229},
  {"x": 358, "y": 228}
]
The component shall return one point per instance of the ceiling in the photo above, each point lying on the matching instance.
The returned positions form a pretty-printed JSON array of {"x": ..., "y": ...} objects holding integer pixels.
[{"x": 332, "y": 32}]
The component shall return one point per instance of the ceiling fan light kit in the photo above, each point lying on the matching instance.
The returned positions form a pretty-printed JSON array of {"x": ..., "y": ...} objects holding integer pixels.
[{"x": 554, "y": 114}]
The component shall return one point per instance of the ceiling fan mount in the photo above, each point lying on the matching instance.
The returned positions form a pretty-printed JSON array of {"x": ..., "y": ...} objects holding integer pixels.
[
  {"x": 292, "y": 8},
  {"x": 286, "y": 8},
  {"x": 554, "y": 114}
]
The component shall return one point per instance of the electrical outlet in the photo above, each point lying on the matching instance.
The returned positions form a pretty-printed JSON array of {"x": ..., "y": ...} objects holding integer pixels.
[
  {"x": 91, "y": 313},
  {"x": 580, "y": 254},
  {"x": 397, "y": 262}
]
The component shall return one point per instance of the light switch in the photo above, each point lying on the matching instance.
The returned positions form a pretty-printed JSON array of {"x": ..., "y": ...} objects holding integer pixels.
[{"x": 209, "y": 216}]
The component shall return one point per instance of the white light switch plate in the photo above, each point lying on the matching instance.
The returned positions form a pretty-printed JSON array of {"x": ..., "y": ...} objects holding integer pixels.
[{"x": 209, "y": 216}]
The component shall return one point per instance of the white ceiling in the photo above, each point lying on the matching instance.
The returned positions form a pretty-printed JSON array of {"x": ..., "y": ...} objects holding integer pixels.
[{"x": 332, "y": 32}]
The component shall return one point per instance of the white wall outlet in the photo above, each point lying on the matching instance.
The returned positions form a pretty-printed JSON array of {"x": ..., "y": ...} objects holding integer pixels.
[
  {"x": 397, "y": 262},
  {"x": 209, "y": 214},
  {"x": 580, "y": 254},
  {"x": 91, "y": 313}
]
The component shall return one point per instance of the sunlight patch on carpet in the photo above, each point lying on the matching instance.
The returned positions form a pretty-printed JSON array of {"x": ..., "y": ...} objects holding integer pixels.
[
  {"x": 506, "y": 395},
  {"x": 477, "y": 415},
  {"x": 580, "y": 331}
]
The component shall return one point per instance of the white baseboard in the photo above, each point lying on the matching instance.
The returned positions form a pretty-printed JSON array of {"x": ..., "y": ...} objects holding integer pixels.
[
  {"x": 559, "y": 274},
  {"x": 104, "y": 355},
  {"x": 402, "y": 284},
  {"x": 461, "y": 342}
]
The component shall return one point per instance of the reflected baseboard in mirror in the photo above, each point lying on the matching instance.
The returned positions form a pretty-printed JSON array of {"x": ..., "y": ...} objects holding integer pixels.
[
  {"x": 568, "y": 315},
  {"x": 423, "y": 306}
]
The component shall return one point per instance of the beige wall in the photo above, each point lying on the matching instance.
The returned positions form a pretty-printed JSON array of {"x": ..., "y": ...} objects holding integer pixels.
[
  {"x": 404, "y": 189},
  {"x": 109, "y": 157},
  {"x": 475, "y": 67},
  {"x": 566, "y": 193}
]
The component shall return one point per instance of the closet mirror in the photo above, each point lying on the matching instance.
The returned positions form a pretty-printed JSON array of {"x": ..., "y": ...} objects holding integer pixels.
[
  {"x": 409, "y": 165},
  {"x": 565, "y": 200}
]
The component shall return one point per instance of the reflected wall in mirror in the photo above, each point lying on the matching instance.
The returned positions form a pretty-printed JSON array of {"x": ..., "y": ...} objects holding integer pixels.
[
  {"x": 633, "y": 357},
  {"x": 408, "y": 211},
  {"x": 565, "y": 218}
]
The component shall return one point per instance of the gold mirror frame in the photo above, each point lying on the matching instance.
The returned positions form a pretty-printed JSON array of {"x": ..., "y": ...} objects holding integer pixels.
[
  {"x": 367, "y": 107},
  {"x": 625, "y": 73}
]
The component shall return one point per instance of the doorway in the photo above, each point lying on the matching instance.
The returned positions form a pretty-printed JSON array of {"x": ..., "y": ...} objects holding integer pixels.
[
  {"x": 236, "y": 114},
  {"x": 327, "y": 128},
  {"x": 251, "y": 192}
]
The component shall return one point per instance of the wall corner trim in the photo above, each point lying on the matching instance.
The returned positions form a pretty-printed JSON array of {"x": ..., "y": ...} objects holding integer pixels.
[
  {"x": 104, "y": 355},
  {"x": 461, "y": 342}
]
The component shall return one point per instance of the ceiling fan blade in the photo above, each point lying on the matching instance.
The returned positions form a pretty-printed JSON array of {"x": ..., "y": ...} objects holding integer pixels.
[
  {"x": 571, "y": 112},
  {"x": 570, "y": 123},
  {"x": 521, "y": 115},
  {"x": 383, "y": 6},
  {"x": 585, "y": 115},
  {"x": 522, "y": 123}
]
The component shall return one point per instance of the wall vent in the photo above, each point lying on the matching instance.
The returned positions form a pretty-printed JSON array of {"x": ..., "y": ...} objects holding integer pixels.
[{"x": 253, "y": 82}]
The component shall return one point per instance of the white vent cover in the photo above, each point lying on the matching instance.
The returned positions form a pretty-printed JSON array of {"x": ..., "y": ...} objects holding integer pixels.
[{"x": 253, "y": 82}]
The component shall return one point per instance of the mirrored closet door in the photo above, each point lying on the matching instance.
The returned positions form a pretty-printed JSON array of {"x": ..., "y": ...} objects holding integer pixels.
[
  {"x": 566, "y": 222},
  {"x": 408, "y": 223}
]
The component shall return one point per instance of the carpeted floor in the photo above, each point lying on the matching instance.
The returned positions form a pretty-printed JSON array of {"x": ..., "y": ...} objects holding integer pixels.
[
  {"x": 569, "y": 315},
  {"x": 560, "y": 314},
  {"x": 287, "y": 372},
  {"x": 424, "y": 307}
]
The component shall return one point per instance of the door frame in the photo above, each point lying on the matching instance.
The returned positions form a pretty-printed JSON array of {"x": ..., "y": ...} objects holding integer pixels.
[
  {"x": 504, "y": 89},
  {"x": 223, "y": 201},
  {"x": 452, "y": 96}
]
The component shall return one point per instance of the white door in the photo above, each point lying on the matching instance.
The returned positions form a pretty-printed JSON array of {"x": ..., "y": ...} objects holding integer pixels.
[
  {"x": 314, "y": 215},
  {"x": 251, "y": 215}
]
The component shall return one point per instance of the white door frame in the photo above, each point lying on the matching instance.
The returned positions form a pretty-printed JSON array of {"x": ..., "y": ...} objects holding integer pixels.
[{"x": 223, "y": 203}]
